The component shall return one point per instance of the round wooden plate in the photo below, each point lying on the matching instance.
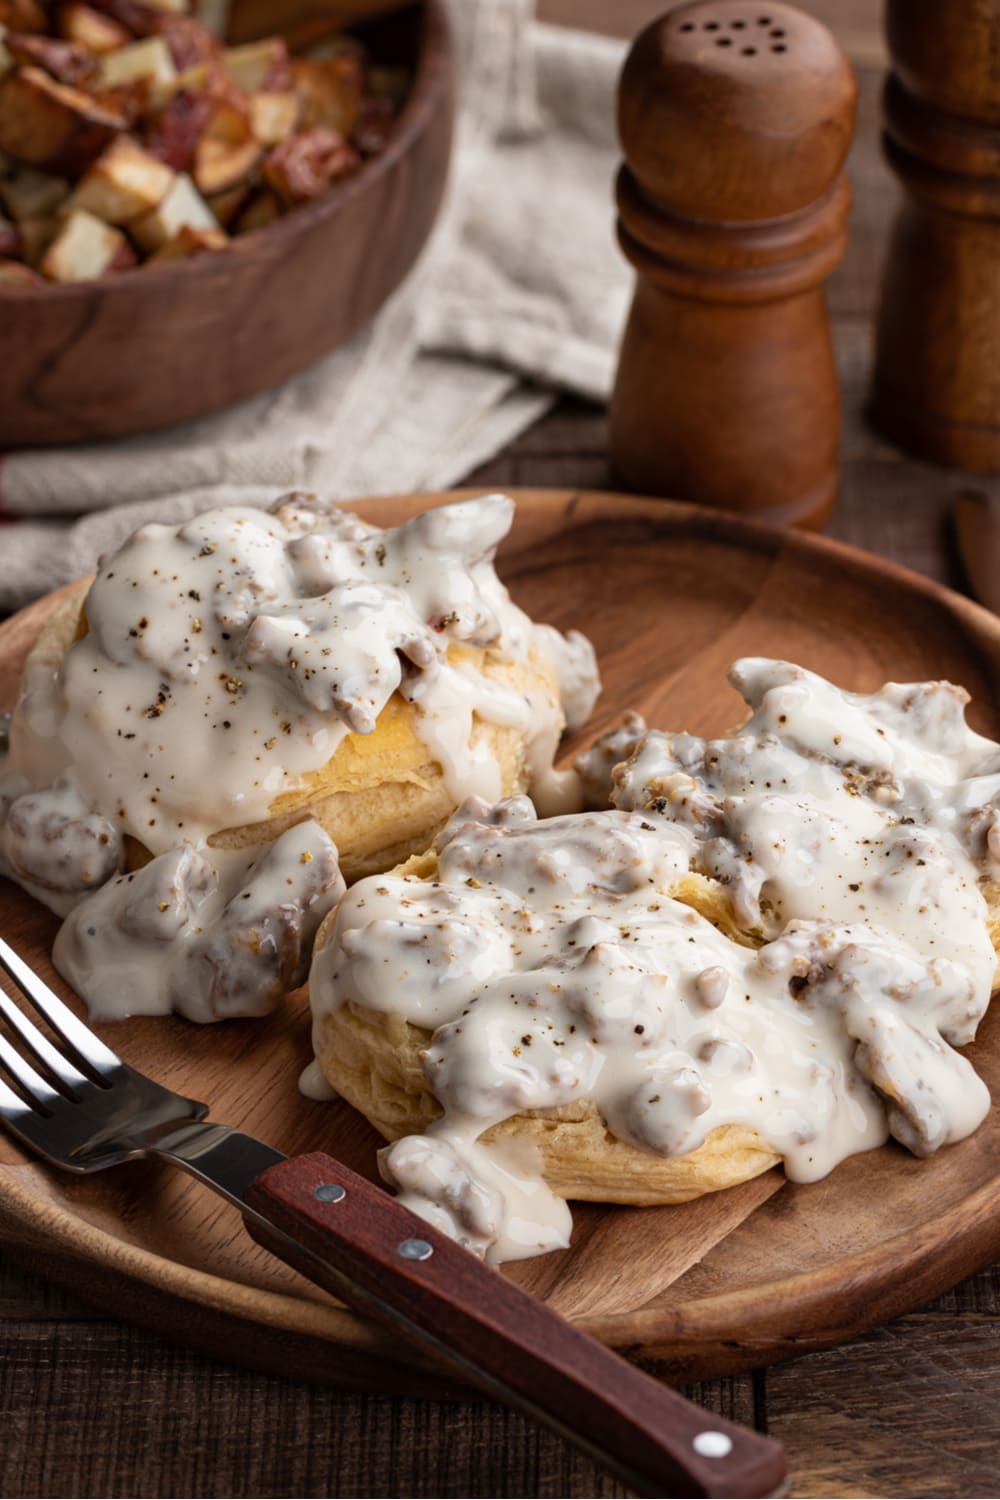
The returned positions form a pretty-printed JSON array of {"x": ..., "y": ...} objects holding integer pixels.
[{"x": 670, "y": 595}]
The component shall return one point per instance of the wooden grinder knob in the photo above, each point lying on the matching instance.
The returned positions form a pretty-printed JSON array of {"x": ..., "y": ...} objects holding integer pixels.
[
  {"x": 937, "y": 375},
  {"x": 735, "y": 119}
]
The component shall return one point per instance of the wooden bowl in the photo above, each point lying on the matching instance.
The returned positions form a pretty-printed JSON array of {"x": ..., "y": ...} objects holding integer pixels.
[{"x": 166, "y": 343}]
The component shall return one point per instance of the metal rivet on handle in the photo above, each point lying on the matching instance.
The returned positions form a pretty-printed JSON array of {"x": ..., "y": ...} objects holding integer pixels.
[
  {"x": 329, "y": 1192},
  {"x": 416, "y": 1250},
  {"x": 712, "y": 1444}
]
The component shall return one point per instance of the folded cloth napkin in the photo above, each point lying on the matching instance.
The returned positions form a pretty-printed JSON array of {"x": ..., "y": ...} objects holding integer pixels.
[{"x": 520, "y": 293}]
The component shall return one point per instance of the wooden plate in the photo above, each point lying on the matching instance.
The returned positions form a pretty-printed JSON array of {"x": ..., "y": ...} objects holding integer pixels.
[{"x": 670, "y": 595}]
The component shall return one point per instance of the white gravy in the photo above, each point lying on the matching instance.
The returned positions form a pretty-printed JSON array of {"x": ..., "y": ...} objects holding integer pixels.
[
  {"x": 223, "y": 661},
  {"x": 552, "y": 964}
]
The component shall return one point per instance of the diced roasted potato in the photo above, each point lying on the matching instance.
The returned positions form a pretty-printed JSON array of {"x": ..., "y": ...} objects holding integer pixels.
[
  {"x": 49, "y": 124},
  {"x": 214, "y": 14},
  {"x": 190, "y": 241},
  {"x": 63, "y": 60},
  {"x": 189, "y": 42},
  {"x": 28, "y": 194},
  {"x": 261, "y": 210},
  {"x": 182, "y": 206},
  {"x": 10, "y": 240},
  {"x": 124, "y": 183},
  {"x": 16, "y": 273},
  {"x": 303, "y": 167},
  {"x": 225, "y": 206},
  {"x": 230, "y": 120},
  {"x": 92, "y": 29},
  {"x": 167, "y": 133},
  {"x": 37, "y": 233},
  {"x": 274, "y": 116},
  {"x": 261, "y": 65},
  {"x": 138, "y": 19},
  {"x": 332, "y": 46},
  {"x": 220, "y": 164},
  {"x": 148, "y": 59},
  {"x": 23, "y": 15},
  {"x": 179, "y": 127},
  {"x": 195, "y": 79},
  {"x": 331, "y": 91},
  {"x": 84, "y": 248}
]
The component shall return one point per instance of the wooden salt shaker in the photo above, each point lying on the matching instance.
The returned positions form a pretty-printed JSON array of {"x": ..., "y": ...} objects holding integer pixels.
[
  {"x": 937, "y": 376},
  {"x": 735, "y": 118}
]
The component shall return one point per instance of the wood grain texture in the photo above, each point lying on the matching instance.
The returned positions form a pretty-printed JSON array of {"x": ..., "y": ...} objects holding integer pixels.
[
  {"x": 670, "y": 595},
  {"x": 515, "y": 1346},
  {"x": 170, "y": 342},
  {"x": 732, "y": 206}
]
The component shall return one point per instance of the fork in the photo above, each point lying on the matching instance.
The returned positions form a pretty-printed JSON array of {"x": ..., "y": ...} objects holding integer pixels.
[{"x": 78, "y": 1105}]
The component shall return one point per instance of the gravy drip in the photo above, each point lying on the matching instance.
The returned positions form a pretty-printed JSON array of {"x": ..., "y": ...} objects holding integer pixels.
[
  {"x": 223, "y": 662},
  {"x": 553, "y": 965}
]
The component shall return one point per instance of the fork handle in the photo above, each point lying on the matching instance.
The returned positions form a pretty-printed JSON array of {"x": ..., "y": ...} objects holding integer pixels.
[{"x": 513, "y": 1346}]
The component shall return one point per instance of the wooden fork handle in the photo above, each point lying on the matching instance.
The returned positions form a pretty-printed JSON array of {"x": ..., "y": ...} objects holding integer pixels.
[{"x": 358, "y": 1242}]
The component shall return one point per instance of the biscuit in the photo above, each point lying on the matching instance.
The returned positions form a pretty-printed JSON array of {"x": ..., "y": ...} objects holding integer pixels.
[
  {"x": 373, "y": 1060},
  {"x": 380, "y": 797}
]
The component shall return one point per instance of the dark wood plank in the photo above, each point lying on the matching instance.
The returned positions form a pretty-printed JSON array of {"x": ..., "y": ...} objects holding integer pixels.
[
  {"x": 909, "y": 1410},
  {"x": 125, "y": 1414}
]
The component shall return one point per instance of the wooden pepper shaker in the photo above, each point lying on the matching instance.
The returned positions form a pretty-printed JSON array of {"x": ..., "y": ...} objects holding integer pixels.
[
  {"x": 937, "y": 375},
  {"x": 735, "y": 118}
]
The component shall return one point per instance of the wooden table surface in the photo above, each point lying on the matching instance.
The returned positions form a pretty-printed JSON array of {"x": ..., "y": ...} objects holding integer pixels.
[{"x": 91, "y": 1407}]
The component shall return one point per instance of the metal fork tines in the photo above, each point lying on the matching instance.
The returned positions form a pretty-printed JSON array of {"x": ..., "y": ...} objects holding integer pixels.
[{"x": 82, "y": 1107}]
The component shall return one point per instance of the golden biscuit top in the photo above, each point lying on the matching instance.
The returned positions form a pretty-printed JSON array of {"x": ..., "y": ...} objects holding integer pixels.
[
  {"x": 838, "y": 843},
  {"x": 224, "y": 664}
]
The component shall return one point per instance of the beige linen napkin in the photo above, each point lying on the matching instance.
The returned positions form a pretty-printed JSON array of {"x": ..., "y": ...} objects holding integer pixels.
[{"x": 520, "y": 293}]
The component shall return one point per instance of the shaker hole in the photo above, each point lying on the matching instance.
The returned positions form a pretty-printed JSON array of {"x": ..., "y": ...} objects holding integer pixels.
[
  {"x": 688, "y": 26},
  {"x": 711, "y": 25},
  {"x": 748, "y": 51},
  {"x": 763, "y": 20},
  {"x": 779, "y": 47},
  {"x": 723, "y": 41},
  {"x": 776, "y": 33},
  {"x": 737, "y": 25}
]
